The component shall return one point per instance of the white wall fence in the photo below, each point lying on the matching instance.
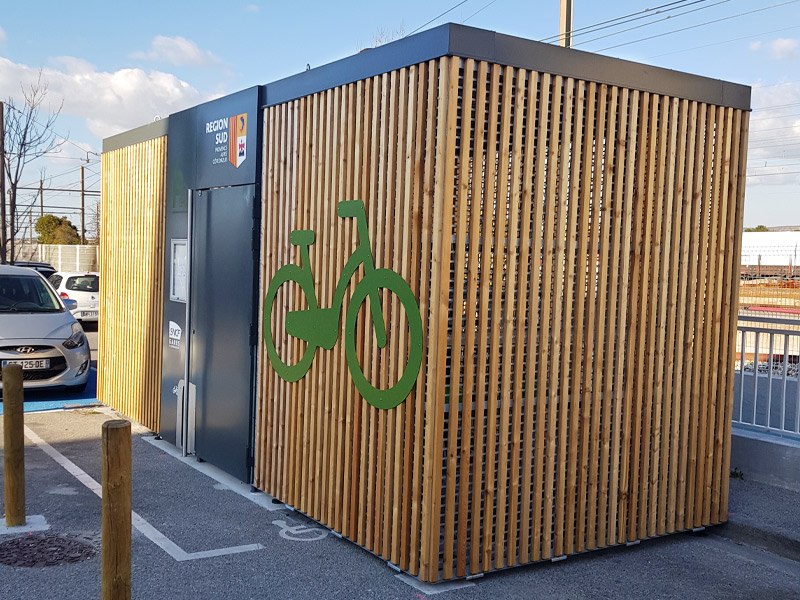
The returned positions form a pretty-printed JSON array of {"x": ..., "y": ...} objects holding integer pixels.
[{"x": 62, "y": 257}]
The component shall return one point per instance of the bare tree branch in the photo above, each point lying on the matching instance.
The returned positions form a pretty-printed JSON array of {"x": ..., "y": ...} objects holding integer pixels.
[{"x": 29, "y": 135}]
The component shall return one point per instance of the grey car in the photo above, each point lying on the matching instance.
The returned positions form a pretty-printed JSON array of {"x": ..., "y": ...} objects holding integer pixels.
[{"x": 38, "y": 332}]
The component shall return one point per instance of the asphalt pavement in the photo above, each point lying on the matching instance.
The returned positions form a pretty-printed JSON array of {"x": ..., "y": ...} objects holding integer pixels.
[{"x": 198, "y": 534}]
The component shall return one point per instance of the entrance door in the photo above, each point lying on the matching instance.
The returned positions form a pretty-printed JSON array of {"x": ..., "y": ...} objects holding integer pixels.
[{"x": 221, "y": 324}]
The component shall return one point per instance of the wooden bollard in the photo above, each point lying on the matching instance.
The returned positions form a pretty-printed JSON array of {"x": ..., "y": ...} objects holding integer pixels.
[
  {"x": 14, "y": 442},
  {"x": 116, "y": 534}
]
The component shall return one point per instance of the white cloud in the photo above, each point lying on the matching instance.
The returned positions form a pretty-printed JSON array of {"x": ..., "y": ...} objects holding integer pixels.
[
  {"x": 109, "y": 102},
  {"x": 252, "y": 8},
  {"x": 755, "y": 46},
  {"x": 177, "y": 51},
  {"x": 785, "y": 49}
]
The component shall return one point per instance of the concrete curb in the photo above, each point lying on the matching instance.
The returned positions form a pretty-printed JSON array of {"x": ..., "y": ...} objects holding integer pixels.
[{"x": 776, "y": 543}]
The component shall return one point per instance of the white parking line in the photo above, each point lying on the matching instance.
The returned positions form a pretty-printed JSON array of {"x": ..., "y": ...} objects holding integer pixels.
[{"x": 150, "y": 532}]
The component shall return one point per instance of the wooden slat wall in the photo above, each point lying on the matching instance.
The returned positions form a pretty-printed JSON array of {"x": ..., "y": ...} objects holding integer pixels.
[
  {"x": 572, "y": 248},
  {"x": 132, "y": 279}
]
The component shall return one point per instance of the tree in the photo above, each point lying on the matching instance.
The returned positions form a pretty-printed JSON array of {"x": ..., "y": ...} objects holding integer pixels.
[
  {"x": 28, "y": 135},
  {"x": 757, "y": 228},
  {"x": 56, "y": 230}
]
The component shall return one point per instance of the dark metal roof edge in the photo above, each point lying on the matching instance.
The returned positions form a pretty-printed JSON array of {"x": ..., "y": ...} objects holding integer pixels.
[
  {"x": 404, "y": 52},
  {"x": 145, "y": 133},
  {"x": 468, "y": 42},
  {"x": 481, "y": 44}
]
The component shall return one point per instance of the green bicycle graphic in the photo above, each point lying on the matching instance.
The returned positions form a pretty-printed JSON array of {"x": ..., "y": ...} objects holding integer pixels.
[{"x": 319, "y": 327}]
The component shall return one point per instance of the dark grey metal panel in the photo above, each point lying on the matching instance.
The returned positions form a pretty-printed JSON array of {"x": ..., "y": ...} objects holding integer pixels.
[
  {"x": 181, "y": 169},
  {"x": 144, "y": 133},
  {"x": 213, "y": 136},
  {"x": 222, "y": 315},
  {"x": 468, "y": 42}
]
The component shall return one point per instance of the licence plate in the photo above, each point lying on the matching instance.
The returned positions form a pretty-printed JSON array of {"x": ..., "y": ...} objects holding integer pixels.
[
  {"x": 29, "y": 365},
  {"x": 89, "y": 313}
]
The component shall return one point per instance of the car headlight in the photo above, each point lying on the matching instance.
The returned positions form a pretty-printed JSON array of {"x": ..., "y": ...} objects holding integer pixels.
[{"x": 76, "y": 340}]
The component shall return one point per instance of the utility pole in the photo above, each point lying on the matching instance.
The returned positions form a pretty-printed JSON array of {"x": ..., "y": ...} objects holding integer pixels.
[
  {"x": 2, "y": 184},
  {"x": 41, "y": 198},
  {"x": 83, "y": 211},
  {"x": 565, "y": 24},
  {"x": 12, "y": 209}
]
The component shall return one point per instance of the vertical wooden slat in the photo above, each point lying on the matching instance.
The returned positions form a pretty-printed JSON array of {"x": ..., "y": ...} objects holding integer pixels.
[
  {"x": 459, "y": 395},
  {"x": 490, "y": 230},
  {"x": 520, "y": 200},
  {"x": 591, "y": 399},
  {"x": 400, "y": 346},
  {"x": 421, "y": 531},
  {"x": 638, "y": 326},
  {"x": 568, "y": 208},
  {"x": 482, "y": 183},
  {"x": 505, "y": 263},
  {"x": 620, "y": 251},
  {"x": 438, "y": 323},
  {"x": 531, "y": 238},
  {"x": 542, "y": 236},
  {"x": 603, "y": 291},
  {"x": 548, "y": 386},
  {"x": 409, "y": 247},
  {"x": 581, "y": 411}
]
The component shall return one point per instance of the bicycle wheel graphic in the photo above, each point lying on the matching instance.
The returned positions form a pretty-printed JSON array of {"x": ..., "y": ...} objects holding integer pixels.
[
  {"x": 287, "y": 372},
  {"x": 395, "y": 394}
]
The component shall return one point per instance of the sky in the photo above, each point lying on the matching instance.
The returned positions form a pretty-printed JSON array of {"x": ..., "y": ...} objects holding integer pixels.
[{"x": 116, "y": 66}]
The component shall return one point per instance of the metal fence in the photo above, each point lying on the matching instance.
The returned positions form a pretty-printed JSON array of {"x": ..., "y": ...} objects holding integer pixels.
[{"x": 766, "y": 386}]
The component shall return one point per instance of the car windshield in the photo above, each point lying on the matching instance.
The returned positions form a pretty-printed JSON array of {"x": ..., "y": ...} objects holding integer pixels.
[
  {"x": 83, "y": 283},
  {"x": 23, "y": 293}
]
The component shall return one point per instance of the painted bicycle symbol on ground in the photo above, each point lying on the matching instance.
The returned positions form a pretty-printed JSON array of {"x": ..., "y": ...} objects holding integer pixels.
[{"x": 319, "y": 327}]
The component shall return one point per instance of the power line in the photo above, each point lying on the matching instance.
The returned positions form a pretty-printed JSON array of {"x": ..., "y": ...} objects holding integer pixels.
[
  {"x": 777, "y": 106},
  {"x": 479, "y": 11},
  {"x": 653, "y": 22},
  {"x": 746, "y": 37},
  {"x": 439, "y": 17},
  {"x": 699, "y": 25},
  {"x": 778, "y": 117},
  {"x": 637, "y": 16}
]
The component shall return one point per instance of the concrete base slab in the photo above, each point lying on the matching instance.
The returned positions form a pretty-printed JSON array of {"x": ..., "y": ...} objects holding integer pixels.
[
  {"x": 430, "y": 589},
  {"x": 32, "y": 523}
]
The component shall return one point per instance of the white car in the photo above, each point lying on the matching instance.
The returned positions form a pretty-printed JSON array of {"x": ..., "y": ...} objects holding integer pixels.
[
  {"x": 83, "y": 287},
  {"x": 38, "y": 332}
]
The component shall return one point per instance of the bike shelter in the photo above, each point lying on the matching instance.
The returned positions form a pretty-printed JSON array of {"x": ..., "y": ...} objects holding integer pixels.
[{"x": 466, "y": 299}]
